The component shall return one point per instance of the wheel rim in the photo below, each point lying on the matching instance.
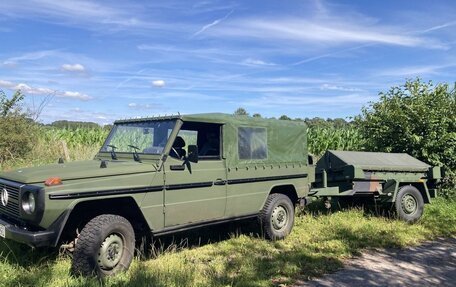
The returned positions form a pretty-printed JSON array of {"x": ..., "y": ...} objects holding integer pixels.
[
  {"x": 279, "y": 218},
  {"x": 111, "y": 252},
  {"x": 409, "y": 204}
]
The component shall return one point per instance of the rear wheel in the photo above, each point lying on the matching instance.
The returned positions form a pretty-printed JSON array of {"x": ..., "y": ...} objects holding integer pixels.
[
  {"x": 104, "y": 247},
  {"x": 277, "y": 216},
  {"x": 409, "y": 204}
]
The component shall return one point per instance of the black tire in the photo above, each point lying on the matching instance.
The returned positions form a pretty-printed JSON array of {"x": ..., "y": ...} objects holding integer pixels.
[
  {"x": 104, "y": 247},
  {"x": 277, "y": 216},
  {"x": 409, "y": 204}
]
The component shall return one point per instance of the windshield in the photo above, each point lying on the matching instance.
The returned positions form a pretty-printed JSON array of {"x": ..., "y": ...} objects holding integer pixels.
[{"x": 148, "y": 137}]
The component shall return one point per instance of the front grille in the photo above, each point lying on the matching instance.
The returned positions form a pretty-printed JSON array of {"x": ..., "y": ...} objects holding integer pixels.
[{"x": 12, "y": 208}]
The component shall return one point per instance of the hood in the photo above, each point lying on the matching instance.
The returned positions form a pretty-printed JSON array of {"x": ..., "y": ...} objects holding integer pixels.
[{"x": 77, "y": 170}]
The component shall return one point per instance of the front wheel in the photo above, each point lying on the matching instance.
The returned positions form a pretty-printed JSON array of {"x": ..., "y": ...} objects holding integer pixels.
[
  {"x": 104, "y": 247},
  {"x": 409, "y": 204},
  {"x": 277, "y": 216}
]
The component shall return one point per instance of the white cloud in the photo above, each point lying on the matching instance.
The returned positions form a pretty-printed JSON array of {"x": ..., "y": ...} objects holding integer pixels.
[
  {"x": 73, "y": 68},
  {"x": 75, "y": 95},
  {"x": 414, "y": 70},
  {"x": 216, "y": 22},
  {"x": 137, "y": 106},
  {"x": 438, "y": 27},
  {"x": 256, "y": 62},
  {"x": 27, "y": 89},
  {"x": 32, "y": 56},
  {"x": 158, "y": 83},
  {"x": 338, "y": 88},
  {"x": 327, "y": 31},
  {"x": 88, "y": 14}
]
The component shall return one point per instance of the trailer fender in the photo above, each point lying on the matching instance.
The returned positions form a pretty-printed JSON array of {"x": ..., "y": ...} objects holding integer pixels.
[
  {"x": 389, "y": 191},
  {"x": 421, "y": 186}
]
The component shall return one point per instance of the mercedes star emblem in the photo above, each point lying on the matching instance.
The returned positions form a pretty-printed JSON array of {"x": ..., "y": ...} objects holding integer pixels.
[{"x": 4, "y": 197}]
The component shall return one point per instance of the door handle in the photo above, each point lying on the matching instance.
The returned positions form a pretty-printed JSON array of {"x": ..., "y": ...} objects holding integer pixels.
[{"x": 219, "y": 181}]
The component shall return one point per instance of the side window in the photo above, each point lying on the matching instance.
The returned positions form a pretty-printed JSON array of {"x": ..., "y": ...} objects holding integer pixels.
[
  {"x": 206, "y": 136},
  {"x": 252, "y": 143},
  {"x": 190, "y": 137}
]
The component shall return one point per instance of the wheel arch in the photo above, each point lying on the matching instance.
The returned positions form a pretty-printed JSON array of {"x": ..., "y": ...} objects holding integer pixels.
[
  {"x": 84, "y": 211},
  {"x": 286, "y": 189}
]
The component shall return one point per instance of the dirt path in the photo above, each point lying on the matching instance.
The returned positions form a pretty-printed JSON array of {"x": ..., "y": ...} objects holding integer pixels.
[{"x": 431, "y": 264}]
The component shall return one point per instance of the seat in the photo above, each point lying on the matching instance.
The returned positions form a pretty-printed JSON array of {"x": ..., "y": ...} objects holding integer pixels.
[{"x": 177, "y": 150}]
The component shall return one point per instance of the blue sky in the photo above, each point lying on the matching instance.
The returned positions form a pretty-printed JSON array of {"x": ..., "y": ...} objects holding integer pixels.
[{"x": 103, "y": 60}]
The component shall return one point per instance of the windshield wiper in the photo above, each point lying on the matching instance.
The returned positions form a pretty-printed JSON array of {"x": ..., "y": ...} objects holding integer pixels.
[
  {"x": 113, "y": 151},
  {"x": 135, "y": 154}
]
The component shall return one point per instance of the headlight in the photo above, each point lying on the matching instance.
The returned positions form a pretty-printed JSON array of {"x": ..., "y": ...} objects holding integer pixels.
[{"x": 28, "y": 203}]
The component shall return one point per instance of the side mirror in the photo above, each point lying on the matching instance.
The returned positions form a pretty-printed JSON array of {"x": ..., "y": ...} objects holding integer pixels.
[{"x": 192, "y": 153}]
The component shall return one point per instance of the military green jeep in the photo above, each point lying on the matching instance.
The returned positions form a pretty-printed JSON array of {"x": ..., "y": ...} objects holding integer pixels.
[{"x": 156, "y": 176}]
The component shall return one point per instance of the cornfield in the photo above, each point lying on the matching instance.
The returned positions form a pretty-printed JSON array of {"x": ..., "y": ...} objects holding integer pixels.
[
  {"x": 76, "y": 137},
  {"x": 321, "y": 139}
]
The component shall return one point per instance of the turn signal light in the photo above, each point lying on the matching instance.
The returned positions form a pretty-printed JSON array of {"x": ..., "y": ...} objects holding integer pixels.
[{"x": 53, "y": 181}]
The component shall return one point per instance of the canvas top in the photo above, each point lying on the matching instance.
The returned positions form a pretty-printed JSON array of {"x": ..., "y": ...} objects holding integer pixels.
[{"x": 372, "y": 161}]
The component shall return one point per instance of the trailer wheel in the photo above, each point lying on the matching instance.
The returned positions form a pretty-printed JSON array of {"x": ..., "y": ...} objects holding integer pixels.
[
  {"x": 409, "y": 204},
  {"x": 105, "y": 247},
  {"x": 277, "y": 216}
]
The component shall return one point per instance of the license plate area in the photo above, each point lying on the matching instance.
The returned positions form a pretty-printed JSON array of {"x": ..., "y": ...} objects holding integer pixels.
[{"x": 2, "y": 231}]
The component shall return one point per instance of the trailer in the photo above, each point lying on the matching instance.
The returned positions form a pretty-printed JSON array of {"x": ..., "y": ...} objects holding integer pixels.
[{"x": 393, "y": 180}]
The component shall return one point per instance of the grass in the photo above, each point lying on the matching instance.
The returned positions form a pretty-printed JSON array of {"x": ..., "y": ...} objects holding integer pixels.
[{"x": 237, "y": 256}]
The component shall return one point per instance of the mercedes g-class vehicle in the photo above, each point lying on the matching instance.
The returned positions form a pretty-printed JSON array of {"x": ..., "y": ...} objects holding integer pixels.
[{"x": 155, "y": 176}]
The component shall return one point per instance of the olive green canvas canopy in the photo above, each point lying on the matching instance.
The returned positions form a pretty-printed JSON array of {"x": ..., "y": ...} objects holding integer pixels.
[
  {"x": 286, "y": 141},
  {"x": 376, "y": 161},
  {"x": 283, "y": 141}
]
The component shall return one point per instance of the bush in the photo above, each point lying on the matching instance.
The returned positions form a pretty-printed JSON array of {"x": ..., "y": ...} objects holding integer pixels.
[
  {"x": 417, "y": 118},
  {"x": 17, "y": 136}
]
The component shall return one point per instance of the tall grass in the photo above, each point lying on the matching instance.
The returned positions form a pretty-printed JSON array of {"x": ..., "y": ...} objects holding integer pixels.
[{"x": 50, "y": 145}]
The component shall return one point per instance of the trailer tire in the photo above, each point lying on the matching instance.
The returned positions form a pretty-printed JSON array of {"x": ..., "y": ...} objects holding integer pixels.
[
  {"x": 409, "y": 204},
  {"x": 277, "y": 216},
  {"x": 105, "y": 247}
]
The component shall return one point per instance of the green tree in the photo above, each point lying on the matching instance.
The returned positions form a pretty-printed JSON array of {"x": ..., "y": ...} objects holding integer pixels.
[
  {"x": 285, "y": 118},
  {"x": 417, "y": 118},
  {"x": 241, "y": 112},
  {"x": 256, "y": 115},
  {"x": 10, "y": 106},
  {"x": 64, "y": 124},
  {"x": 317, "y": 123}
]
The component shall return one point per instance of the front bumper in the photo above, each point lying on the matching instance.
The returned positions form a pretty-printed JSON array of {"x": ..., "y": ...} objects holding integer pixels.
[
  {"x": 33, "y": 238},
  {"x": 48, "y": 237}
]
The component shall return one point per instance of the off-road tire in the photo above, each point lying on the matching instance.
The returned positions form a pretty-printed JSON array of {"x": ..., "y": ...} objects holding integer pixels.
[
  {"x": 86, "y": 257},
  {"x": 277, "y": 209},
  {"x": 409, "y": 204}
]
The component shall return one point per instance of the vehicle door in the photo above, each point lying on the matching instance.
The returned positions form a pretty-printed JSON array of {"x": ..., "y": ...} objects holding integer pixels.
[{"x": 195, "y": 192}]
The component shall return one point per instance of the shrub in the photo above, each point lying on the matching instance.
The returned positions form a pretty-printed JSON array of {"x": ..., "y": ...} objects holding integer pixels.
[
  {"x": 417, "y": 118},
  {"x": 18, "y": 133}
]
